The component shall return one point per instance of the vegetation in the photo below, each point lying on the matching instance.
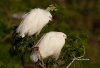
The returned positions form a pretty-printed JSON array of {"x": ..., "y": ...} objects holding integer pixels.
[{"x": 79, "y": 19}]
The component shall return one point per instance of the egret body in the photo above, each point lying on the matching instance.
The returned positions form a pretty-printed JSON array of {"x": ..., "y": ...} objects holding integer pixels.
[
  {"x": 50, "y": 44},
  {"x": 33, "y": 22}
]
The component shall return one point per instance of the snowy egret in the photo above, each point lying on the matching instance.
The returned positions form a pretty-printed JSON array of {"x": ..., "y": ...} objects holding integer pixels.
[
  {"x": 50, "y": 44},
  {"x": 33, "y": 22}
]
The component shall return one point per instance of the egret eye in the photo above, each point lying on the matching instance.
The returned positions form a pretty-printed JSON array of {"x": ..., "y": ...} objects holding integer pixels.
[{"x": 64, "y": 36}]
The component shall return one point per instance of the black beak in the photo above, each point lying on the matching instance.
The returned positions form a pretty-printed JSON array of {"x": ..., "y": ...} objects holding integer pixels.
[{"x": 68, "y": 37}]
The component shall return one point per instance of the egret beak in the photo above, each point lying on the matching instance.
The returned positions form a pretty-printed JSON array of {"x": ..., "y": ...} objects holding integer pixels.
[{"x": 66, "y": 37}]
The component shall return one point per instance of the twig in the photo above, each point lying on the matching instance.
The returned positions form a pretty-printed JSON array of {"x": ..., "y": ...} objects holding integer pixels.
[
  {"x": 36, "y": 48},
  {"x": 38, "y": 42},
  {"x": 41, "y": 63},
  {"x": 75, "y": 58},
  {"x": 40, "y": 60}
]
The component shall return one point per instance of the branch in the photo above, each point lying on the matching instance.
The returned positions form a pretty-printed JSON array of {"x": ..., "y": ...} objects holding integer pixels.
[
  {"x": 22, "y": 60},
  {"x": 75, "y": 58}
]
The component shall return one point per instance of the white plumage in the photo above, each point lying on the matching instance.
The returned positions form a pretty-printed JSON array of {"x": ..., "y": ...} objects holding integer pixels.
[
  {"x": 50, "y": 44},
  {"x": 33, "y": 22}
]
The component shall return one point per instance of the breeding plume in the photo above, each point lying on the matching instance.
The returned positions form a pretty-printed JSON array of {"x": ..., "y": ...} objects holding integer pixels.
[
  {"x": 50, "y": 44},
  {"x": 33, "y": 22}
]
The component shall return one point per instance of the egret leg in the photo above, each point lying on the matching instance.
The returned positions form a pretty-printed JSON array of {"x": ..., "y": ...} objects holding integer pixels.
[
  {"x": 31, "y": 42},
  {"x": 40, "y": 63},
  {"x": 22, "y": 55},
  {"x": 40, "y": 60},
  {"x": 56, "y": 62}
]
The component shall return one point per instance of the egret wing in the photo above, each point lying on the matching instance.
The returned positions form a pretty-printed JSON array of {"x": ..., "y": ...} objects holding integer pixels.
[
  {"x": 46, "y": 45},
  {"x": 29, "y": 22}
]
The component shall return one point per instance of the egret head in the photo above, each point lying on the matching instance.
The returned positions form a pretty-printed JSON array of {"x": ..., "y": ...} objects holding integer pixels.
[
  {"x": 65, "y": 36},
  {"x": 50, "y": 17},
  {"x": 62, "y": 35}
]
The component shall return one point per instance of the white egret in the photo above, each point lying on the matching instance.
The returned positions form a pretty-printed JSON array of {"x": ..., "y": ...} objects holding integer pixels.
[
  {"x": 33, "y": 22},
  {"x": 50, "y": 44}
]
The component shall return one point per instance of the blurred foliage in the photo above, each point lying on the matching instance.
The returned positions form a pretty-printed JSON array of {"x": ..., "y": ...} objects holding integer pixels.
[
  {"x": 74, "y": 48},
  {"x": 73, "y": 17},
  {"x": 10, "y": 65},
  {"x": 21, "y": 45}
]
